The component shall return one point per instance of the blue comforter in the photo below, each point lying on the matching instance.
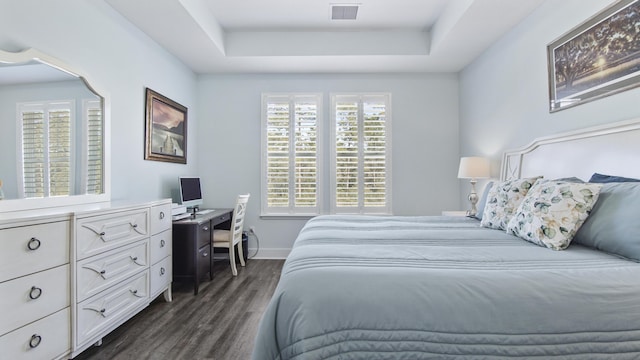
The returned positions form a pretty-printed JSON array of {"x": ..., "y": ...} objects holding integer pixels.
[{"x": 365, "y": 287}]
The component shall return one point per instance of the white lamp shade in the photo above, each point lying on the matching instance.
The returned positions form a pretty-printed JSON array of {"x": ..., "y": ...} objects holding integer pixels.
[{"x": 473, "y": 167}]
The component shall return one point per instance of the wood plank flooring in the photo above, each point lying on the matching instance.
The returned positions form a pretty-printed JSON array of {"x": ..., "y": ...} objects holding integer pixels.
[{"x": 219, "y": 323}]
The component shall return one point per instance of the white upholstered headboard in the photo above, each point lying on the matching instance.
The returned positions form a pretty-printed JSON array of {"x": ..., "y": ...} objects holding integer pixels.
[{"x": 612, "y": 149}]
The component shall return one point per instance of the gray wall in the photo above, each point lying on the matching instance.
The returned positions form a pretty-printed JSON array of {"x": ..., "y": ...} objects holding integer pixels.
[
  {"x": 425, "y": 141},
  {"x": 504, "y": 93},
  {"x": 94, "y": 39}
]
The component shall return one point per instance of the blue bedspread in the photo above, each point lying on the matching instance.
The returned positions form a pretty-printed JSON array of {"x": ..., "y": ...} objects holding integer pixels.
[{"x": 365, "y": 287}]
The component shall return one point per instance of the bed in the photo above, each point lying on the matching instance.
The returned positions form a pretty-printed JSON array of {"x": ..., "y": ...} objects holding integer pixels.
[{"x": 418, "y": 287}]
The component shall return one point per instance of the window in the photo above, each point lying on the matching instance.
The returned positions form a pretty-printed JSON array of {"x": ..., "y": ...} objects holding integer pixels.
[
  {"x": 46, "y": 148},
  {"x": 290, "y": 154},
  {"x": 360, "y": 158},
  {"x": 358, "y": 154}
]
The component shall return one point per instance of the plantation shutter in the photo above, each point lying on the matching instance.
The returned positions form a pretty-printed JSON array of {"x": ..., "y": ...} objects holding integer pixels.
[
  {"x": 59, "y": 152},
  {"x": 290, "y": 154},
  {"x": 95, "y": 152},
  {"x": 46, "y": 149},
  {"x": 33, "y": 153},
  {"x": 361, "y": 159}
]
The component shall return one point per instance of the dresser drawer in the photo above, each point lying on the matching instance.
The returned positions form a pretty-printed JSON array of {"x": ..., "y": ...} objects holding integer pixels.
[
  {"x": 160, "y": 218},
  {"x": 160, "y": 246},
  {"x": 112, "y": 307},
  {"x": 47, "y": 338},
  {"x": 98, "y": 273},
  {"x": 32, "y": 297},
  {"x": 160, "y": 275},
  {"x": 97, "y": 234},
  {"x": 29, "y": 249}
]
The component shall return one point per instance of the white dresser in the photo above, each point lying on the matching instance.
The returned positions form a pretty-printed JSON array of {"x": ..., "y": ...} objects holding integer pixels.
[
  {"x": 121, "y": 260},
  {"x": 69, "y": 276},
  {"x": 35, "y": 288}
]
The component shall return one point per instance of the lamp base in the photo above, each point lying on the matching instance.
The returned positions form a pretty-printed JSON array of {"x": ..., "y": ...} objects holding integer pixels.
[{"x": 473, "y": 199}]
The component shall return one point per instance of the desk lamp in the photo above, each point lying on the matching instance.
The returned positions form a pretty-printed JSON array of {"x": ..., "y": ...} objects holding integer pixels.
[{"x": 473, "y": 167}]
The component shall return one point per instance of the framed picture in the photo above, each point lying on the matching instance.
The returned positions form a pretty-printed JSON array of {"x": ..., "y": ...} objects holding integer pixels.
[
  {"x": 166, "y": 129},
  {"x": 598, "y": 58}
]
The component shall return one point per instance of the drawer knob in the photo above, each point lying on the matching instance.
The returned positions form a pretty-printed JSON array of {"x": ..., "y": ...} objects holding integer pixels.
[
  {"x": 102, "y": 311},
  {"x": 103, "y": 272},
  {"x": 35, "y": 341},
  {"x": 162, "y": 271},
  {"x": 205, "y": 228},
  {"x": 33, "y": 244},
  {"x": 135, "y": 258},
  {"x": 35, "y": 292},
  {"x": 162, "y": 243},
  {"x": 205, "y": 254},
  {"x": 103, "y": 233},
  {"x": 161, "y": 215},
  {"x": 134, "y": 226}
]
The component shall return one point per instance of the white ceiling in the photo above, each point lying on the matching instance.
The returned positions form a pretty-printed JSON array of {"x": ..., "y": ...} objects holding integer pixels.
[{"x": 256, "y": 36}]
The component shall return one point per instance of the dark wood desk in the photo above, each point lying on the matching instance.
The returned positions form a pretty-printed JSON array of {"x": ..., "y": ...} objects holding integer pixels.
[{"x": 193, "y": 245}]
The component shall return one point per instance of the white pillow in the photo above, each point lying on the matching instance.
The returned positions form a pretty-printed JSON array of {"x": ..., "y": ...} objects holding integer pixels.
[
  {"x": 503, "y": 200},
  {"x": 552, "y": 212}
]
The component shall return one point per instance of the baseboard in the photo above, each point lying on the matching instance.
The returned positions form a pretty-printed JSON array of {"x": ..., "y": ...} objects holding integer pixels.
[{"x": 269, "y": 254}]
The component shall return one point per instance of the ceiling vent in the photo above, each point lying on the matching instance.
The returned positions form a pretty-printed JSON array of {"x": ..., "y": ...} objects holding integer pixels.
[{"x": 344, "y": 12}]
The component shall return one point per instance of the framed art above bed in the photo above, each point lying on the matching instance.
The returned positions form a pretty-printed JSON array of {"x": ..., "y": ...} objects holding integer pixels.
[{"x": 598, "y": 58}]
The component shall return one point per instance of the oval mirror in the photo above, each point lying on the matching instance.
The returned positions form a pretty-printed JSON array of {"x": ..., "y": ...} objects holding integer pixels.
[{"x": 53, "y": 144}]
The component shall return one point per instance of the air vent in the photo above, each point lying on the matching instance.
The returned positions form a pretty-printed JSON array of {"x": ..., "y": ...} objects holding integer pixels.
[{"x": 344, "y": 12}]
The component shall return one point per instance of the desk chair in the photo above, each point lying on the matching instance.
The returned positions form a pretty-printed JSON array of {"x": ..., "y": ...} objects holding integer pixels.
[{"x": 232, "y": 237}]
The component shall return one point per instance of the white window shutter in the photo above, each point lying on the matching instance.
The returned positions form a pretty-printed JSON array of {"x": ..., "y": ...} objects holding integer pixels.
[
  {"x": 94, "y": 164},
  {"x": 361, "y": 158},
  {"x": 291, "y": 154},
  {"x": 46, "y": 148}
]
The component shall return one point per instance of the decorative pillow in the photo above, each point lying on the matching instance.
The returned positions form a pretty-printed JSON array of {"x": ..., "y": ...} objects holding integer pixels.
[
  {"x": 600, "y": 178},
  {"x": 570, "y": 179},
  {"x": 553, "y": 211},
  {"x": 483, "y": 200},
  {"x": 613, "y": 225},
  {"x": 503, "y": 200}
]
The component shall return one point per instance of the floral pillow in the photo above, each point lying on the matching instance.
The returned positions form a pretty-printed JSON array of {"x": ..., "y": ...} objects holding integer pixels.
[
  {"x": 552, "y": 212},
  {"x": 503, "y": 200}
]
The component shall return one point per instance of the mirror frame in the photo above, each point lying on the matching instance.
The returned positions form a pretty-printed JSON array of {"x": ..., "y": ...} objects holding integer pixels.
[{"x": 10, "y": 205}]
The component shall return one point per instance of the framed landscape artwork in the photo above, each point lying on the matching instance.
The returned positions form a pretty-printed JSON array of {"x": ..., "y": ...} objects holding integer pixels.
[
  {"x": 166, "y": 129},
  {"x": 598, "y": 58}
]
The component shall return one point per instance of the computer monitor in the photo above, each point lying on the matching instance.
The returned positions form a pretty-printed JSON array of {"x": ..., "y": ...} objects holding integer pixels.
[{"x": 190, "y": 191}]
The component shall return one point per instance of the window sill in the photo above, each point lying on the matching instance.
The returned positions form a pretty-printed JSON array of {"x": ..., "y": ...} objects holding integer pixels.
[{"x": 287, "y": 216}]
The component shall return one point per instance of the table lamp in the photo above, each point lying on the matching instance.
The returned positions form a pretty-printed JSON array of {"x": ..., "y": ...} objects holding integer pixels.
[{"x": 473, "y": 167}]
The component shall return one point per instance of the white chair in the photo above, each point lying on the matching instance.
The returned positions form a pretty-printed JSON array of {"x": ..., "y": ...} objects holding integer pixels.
[{"x": 232, "y": 237}]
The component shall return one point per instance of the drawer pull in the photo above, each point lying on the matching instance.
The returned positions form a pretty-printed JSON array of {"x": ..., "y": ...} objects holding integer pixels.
[
  {"x": 162, "y": 271},
  {"x": 135, "y": 293},
  {"x": 35, "y": 341},
  {"x": 134, "y": 226},
  {"x": 162, "y": 243},
  {"x": 103, "y": 310},
  {"x": 34, "y": 244},
  {"x": 102, "y": 272},
  {"x": 35, "y": 292},
  {"x": 161, "y": 215},
  {"x": 103, "y": 233}
]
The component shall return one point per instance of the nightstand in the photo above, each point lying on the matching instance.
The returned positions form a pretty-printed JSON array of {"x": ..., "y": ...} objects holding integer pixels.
[{"x": 454, "y": 213}]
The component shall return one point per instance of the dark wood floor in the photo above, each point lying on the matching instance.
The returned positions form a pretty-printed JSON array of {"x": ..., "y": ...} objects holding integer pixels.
[{"x": 219, "y": 323}]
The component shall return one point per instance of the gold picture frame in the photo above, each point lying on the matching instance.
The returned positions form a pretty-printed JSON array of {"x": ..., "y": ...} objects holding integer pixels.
[{"x": 166, "y": 129}]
